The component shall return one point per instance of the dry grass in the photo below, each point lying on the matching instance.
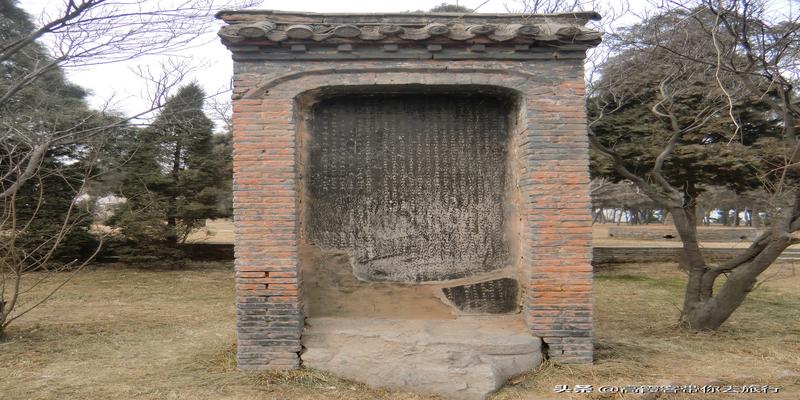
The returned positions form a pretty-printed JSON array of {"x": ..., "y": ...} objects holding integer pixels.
[
  {"x": 638, "y": 340},
  {"x": 126, "y": 333}
]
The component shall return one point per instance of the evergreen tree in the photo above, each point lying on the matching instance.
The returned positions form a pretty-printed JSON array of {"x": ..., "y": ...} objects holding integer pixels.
[
  {"x": 222, "y": 153},
  {"x": 50, "y": 113},
  {"x": 173, "y": 179},
  {"x": 450, "y": 8},
  {"x": 48, "y": 142},
  {"x": 642, "y": 88}
]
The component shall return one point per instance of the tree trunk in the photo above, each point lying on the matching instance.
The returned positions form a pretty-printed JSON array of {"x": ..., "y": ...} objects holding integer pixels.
[
  {"x": 706, "y": 309},
  {"x": 633, "y": 217},
  {"x": 668, "y": 217},
  {"x": 756, "y": 217},
  {"x": 598, "y": 212},
  {"x": 2, "y": 318},
  {"x": 704, "y": 313},
  {"x": 723, "y": 216},
  {"x": 172, "y": 210},
  {"x": 172, "y": 232},
  {"x": 685, "y": 221}
]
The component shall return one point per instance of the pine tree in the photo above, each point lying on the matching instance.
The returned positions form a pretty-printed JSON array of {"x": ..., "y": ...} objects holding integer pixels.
[
  {"x": 48, "y": 140},
  {"x": 450, "y": 8},
  {"x": 44, "y": 110},
  {"x": 713, "y": 153},
  {"x": 174, "y": 180}
]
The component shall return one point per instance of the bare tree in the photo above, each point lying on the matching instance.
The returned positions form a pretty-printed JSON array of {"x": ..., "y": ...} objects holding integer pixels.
[
  {"x": 614, "y": 13},
  {"x": 221, "y": 111},
  {"x": 749, "y": 54},
  {"x": 46, "y": 146}
]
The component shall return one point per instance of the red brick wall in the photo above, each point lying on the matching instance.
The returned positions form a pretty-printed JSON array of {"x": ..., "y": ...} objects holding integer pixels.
[
  {"x": 552, "y": 147},
  {"x": 560, "y": 299}
]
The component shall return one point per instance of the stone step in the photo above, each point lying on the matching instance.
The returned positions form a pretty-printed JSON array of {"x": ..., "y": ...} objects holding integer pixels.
[{"x": 467, "y": 358}]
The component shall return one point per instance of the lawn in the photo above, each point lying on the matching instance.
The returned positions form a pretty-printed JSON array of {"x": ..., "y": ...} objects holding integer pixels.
[{"x": 120, "y": 332}]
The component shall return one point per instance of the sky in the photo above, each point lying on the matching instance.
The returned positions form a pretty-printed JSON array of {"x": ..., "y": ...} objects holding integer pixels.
[
  {"x": 128, "y": 94},
  {"x": 117, "y": 82}
]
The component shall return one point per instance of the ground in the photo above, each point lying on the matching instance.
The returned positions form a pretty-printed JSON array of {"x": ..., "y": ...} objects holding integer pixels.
[{"x": 119, "y": 332}]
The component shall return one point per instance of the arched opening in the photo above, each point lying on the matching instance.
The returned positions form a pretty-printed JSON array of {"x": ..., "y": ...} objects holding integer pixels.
[{"x": 408, "y": 202}]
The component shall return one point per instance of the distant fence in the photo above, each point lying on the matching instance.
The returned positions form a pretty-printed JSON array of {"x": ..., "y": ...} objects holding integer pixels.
[
  {"x": 602, "y": 255},
  {"x": 667, "y": 233},
  {"x": 619, "y": 255}
]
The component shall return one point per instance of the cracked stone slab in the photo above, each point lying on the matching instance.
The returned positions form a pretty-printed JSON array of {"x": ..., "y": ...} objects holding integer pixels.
[{"x": 468, "y": 358}]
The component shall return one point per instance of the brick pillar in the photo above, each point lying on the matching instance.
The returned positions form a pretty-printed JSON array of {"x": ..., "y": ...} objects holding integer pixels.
[
  {"x": 559, "y": 223},
  {"x": 269, "y": 318}
]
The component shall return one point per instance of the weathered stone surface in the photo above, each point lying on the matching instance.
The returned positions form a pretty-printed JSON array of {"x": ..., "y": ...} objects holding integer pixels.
[
  {"x": 463, "y": 359},
  {"x": 498, "y": 296},
  {"x": 412, "y": 185}
]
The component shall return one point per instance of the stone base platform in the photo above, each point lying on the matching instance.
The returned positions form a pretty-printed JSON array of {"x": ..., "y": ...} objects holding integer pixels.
[{"x": 467, "y": 358}]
